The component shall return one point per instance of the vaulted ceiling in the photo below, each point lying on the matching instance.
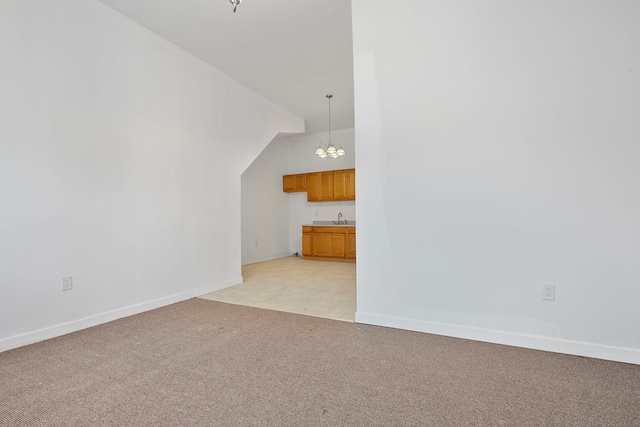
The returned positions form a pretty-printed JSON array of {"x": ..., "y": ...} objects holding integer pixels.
[{"x": 293, "y": 52}]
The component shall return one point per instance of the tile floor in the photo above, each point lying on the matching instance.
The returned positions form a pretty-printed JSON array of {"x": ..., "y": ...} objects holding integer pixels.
[{"x": 315, "y": 288}]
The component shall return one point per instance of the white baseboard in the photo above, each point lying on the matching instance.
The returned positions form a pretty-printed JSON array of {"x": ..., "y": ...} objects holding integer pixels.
[
  {"x": 265, "y": 258},
  {"x": 20, "y": 340},
  {"x": 555, "y": 345}
]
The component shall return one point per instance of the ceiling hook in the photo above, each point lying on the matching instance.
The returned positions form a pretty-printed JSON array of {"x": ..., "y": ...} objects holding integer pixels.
[{"x": 235, "y": 4}]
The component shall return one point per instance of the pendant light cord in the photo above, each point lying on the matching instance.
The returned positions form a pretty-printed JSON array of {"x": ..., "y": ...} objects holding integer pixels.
[
  {"x": 329, "y": 98},
  {"x": 329, "y": 150}
]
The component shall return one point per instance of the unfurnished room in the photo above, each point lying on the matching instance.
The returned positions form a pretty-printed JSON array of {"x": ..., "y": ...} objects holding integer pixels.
[{"x": 319, "y": 213}]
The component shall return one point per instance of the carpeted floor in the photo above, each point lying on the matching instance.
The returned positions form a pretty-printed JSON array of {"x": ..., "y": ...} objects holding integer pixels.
[{"x": 206, "y": 363}]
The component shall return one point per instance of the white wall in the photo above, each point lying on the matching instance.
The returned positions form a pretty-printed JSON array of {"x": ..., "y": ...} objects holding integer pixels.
[
  {"x": 302, "y": 159},
  {"x": 498, "y": 151},
  {"x": 120, "y": 164},
  {"x": 265, "y": 207}
]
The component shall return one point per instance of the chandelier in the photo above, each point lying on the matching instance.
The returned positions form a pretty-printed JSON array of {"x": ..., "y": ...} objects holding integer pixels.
[
  {"x": 235, "y": 4},
  {"x": 329, "y": 150}
]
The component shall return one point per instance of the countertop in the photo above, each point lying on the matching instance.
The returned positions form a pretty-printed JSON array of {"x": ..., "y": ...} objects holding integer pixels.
[{"x": 330, "y": 224}]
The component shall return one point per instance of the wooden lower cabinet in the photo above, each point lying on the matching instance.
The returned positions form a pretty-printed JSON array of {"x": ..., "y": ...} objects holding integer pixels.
[
  {"x": 329, "y": 242},
  {"x": 339, "y": 245},
  {"x": 321, "y": 244},
  {"x": 307, "y": 241},
  {"x": 351, "y": 244}
]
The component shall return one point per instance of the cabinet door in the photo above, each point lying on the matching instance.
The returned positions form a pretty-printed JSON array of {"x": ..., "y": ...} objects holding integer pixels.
[
  {"x": 340, "y": 185},
  {"x": 338, "y": 245},
  {"x": 320, "y": 186},
  {"x": 351, "y": 244},
  {"x": 288, "y": 183},
  {"x": 301, "y": 182},
  {"x": 344, "y": 184},
  {"x": 313, "y": 187},
  {"x": 321, "y": 244},
  {"x": 326, "y": 185},
  {"x": 350, "y": 184},
  {"x": 307, "y": 242},
  {"x": 294, "y": 183}
]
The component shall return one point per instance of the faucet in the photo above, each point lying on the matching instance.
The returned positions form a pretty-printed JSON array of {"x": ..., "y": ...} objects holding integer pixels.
[{"x": 339, "y": 216}]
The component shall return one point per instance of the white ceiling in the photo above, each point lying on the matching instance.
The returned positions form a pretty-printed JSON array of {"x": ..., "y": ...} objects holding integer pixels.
[{"x": 293, "y": 52}]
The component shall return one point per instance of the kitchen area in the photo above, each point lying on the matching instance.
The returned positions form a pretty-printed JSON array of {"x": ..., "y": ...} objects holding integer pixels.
[
  {"x": 299, "y": 230},
  {"x": 323, "y": 239}
]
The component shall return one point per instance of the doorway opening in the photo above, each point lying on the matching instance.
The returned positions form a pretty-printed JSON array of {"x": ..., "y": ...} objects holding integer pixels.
[{"x": 275, "y": 274}]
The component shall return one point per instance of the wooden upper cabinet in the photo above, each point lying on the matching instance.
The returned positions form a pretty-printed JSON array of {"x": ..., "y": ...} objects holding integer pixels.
[
  {"x": 313, "y": 182},
  {"x": 340, "y": 185},
  {"x": 294, "y": 183},
  {"x": 351, "y": 184},
  {"x": 323, "y": 186},
  {"x": 320, "y": 186},
  {"x": 326, "y": 189},
  {"x": 344, "y": 184}
]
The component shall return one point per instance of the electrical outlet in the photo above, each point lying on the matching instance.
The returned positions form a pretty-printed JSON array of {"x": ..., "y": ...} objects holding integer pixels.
[
  {"x": 67, "y": 283},
  {"x": 256, "y": 243},
  {"x": 549, "y": 292}
]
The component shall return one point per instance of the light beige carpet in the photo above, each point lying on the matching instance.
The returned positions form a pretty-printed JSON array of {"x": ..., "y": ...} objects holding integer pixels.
[
  {"x": 205, "y": 363},
  {"x": 295, "y": 285}
]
